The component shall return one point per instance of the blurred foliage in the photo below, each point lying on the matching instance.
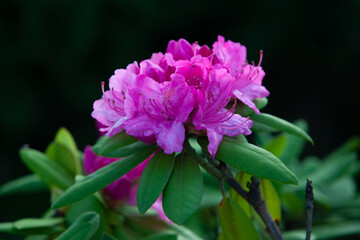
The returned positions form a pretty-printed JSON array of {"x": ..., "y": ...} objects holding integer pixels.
[
  {"x": 54, "y": 54},
  {"x": 336, "y": 214}
]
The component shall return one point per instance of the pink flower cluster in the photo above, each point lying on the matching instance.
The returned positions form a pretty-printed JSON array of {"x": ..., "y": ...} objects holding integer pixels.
[
  {"x": 190, "y": 88},
  {"x": 123, "y": 190}
]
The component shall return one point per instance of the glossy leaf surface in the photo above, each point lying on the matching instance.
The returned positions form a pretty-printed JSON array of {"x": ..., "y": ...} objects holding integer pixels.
[
  {"x": 254, "y": 160},
  {"x": 235, "y": 223},
  {"x": 102, "y": 177},
  {"x": 27, "y": 184},
  {"x": 48, "y": 170},
  {"x": 281, "y": 125},
  {"x": 154, "y": 179},
  {"x": 83, "y": 228},
  {"x": 183, "y": 193}
]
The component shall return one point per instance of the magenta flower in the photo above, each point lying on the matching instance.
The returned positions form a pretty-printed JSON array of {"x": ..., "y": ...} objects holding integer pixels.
[
  {"x": 123, "y": 190},
  {"x": 187, "y": 89},
  {"x": 248, "y": 78}
]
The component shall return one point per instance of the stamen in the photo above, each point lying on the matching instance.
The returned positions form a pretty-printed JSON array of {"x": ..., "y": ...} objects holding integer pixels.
[
  {"x": 115, "y": 108},
  {"x": 261, "y": 56},
  {"x": 114, "y": 94},
  {"x": 103, "y": 87},
  {"x": 222, "y": 117},
  {"x": 156, "y": 106},
  {"x": 230, "y": 128}
]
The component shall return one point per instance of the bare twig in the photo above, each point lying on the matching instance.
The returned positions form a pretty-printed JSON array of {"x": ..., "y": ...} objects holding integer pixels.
[
  {"x": 309, "y": 194},
  {"x": 253, "y": 197}
]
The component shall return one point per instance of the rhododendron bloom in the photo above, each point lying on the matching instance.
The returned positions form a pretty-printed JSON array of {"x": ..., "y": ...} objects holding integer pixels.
[
  {"x": 123, "y": 190},
  {"x": 189, "y": 88}
]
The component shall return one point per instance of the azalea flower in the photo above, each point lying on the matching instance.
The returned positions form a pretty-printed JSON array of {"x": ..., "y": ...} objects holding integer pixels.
[
  {"x": 123, "y": 190},
  {"x": 189, "y": 88}
]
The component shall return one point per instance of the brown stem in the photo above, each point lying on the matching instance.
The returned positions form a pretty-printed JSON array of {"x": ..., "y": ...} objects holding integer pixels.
[
  {"x": 253, "y": 197},
  {"x": 309, "y": 206}
]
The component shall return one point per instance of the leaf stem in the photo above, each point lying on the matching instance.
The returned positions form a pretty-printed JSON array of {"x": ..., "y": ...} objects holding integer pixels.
[{"x": 309, "y": 206}]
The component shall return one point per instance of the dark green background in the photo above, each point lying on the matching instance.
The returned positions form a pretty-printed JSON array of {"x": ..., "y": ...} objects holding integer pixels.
[{"x": 54, "y": 54}]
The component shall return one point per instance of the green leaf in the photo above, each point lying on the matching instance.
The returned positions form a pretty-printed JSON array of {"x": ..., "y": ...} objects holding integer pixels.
[
  {"x": 245, "y": 111},
  {"x": 281, "y": 125},
  {"x": 294, "y": 146},
  {"x": 106, "y": 236},
  {"x": 64, "y": 157},
  {"x": 184, "y": 233},
  {"x": 65, "y": 151},
  {"x": 64, "y": 137},
  {"x": 277, "y": 145},
  {"x": 102, "y": 177},
  {"x": 29, "y": 223},
  {"x": 49, "y": 171},
  {"x": 253, "y": 160},
  {"x": 333, "y": 169},
  {"x": 83, "y": 228},
  {"x": 125, "y": 151},
  {"x": 351, "y": 145},
  {"x": 154, "y": 179},
  {"x": 111, "y": 146},
  {"x": 235, "y": 223},
  {"x": 90, "y": 203},
  {"x": 6, "y": 227},
  {"x": 162, "y": 236},
  {"x": 27, "y": 184},
  {"x": 33, "y": 226},
  {"x": 337, "y": 230},
  {"x": 183, "y": 192},
  {"x": 271, "y": 199}
]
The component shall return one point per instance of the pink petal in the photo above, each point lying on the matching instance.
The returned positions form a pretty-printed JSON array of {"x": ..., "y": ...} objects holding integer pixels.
[{"x": 171, "y": 138}]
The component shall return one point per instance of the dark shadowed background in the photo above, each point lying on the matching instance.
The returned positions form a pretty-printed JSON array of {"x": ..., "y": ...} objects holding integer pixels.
[{"x": 54, "y": 55}]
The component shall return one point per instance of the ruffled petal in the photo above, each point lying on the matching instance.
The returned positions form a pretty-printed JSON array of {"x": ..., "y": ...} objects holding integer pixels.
[
  {"x": 214, "y": 141},
  {"x": 171, "y": 138}
]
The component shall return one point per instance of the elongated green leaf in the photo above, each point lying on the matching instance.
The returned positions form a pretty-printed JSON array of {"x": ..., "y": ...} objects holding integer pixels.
[
  {"x": 7, "y": 227},
  {"x": 32, "y": 226},
  {"x": 253, "y": 160},
  {"x": 90, "y": 203},
  {"x": 337, "y": 230},
  {"x": 48, "y": 170},
  {"x": 125, "y": 151},
  {"x": 64, "y": 157},
  {"x": 245, "y": 111},
  {"x": 29, "y": 223},
  {"x": 294, "y": 146},
  {"x": 154, "y": 179},
  {"x": 37, "y": 237},
  {"x": 183, "y": 193},
  {"x": 281, "y": 125},
  {"x": 184, "y": 232},
  {"x": 351, "y": 145},
  {"x": 235, "y": 223},
  {"x": 106, "y": 236},
  {"x": 102, "y": 177},
  {"x": 27, "y": 184},
  {"x": 277, "y": 145},
  {"x": 63, "y": 136},
  {"x": 271, "y": 199},
  {"x": 110, "y": 144},
  {"x": 83, "y": 228},
  {"x": 333, "y": 169},
  {"x": 162, "y": 236}
]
